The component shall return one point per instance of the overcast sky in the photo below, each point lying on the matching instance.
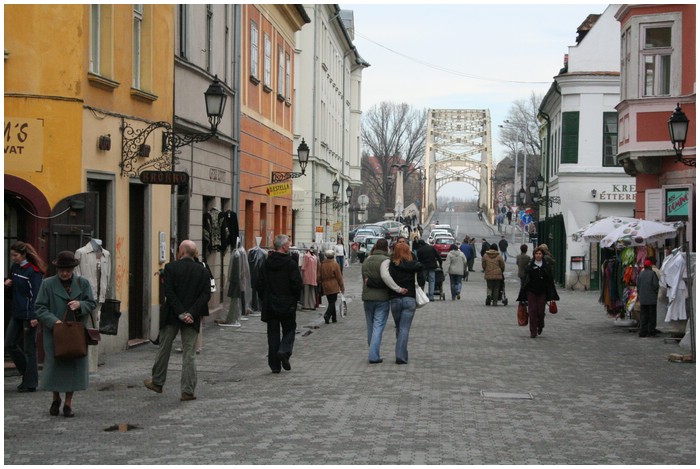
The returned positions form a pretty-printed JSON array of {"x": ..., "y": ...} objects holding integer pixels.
[{"x": 463, "y": 56}]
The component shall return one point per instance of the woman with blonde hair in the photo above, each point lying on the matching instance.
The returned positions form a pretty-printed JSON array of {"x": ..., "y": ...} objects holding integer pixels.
[{"x": 402, "y": 270}]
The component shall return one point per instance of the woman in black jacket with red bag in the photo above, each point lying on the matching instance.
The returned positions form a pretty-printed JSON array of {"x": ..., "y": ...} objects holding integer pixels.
[{"x": 537, "y": 290}]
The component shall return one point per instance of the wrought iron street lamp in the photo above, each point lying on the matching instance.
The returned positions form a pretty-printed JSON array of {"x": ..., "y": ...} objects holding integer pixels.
[
  {"x": 134, "y": 141},
  {"x": 303, "y": 155},
  {"x": 678, "y": 130},
  {"x": 538, "y": 198}
]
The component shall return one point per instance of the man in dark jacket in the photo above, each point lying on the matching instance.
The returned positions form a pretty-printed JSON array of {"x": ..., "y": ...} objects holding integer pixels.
[
  {"x": 430, "y": 258},
  {"x": 503, "y": 247},
  {"x": 647, "y": 290},
  {"x": 187, "y": 292},
  {"x": 279, "y": 285}
]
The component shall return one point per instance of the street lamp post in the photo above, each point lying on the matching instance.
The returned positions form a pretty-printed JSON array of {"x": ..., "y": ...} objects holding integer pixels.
[
  {"x": 678, "y": 130},
  {"x": 398, "y": 198}
]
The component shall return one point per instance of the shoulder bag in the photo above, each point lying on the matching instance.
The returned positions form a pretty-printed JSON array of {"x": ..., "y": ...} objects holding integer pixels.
[
  {"x": 69, "y": 339},
  {"x": 92, "y": 334},
  {"x": 421, "y": 297}
]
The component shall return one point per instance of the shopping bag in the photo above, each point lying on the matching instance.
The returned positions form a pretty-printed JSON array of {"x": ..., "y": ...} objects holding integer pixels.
[
  {"x": 421, "y": 297},
  {"x": 522, "y": 314},
  {"x": 343, "y": 306},
  {"x": 553, "y": 307}
]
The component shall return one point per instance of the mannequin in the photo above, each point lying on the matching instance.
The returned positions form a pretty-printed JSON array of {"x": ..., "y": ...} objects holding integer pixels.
[{"x": 95, "y": 266}]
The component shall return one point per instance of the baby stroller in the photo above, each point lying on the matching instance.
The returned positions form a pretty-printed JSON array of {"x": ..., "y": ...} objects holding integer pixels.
[
  {"x": 502, "y": 293},
  {"x": 439, "y": 292}
]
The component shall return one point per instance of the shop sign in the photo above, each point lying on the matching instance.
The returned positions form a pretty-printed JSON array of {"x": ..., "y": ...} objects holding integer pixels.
[
  {"x": 619, "y": 193},
  {"x": 275, "y": 190},
  {"x": 24, "y": 144},
  {"x": 677, "y": 204},
  {"x": 171, "y": 178},
  {"x": 338, "y": 226}
]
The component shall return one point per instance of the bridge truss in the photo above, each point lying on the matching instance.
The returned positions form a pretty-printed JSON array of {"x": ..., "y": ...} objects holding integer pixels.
[{"x": 458, "y": 149}]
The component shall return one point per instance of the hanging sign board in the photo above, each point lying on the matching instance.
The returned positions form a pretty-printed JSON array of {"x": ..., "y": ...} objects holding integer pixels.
[
  {"x": 172, "y": 178},
  {"x": 282, "y": 188}
]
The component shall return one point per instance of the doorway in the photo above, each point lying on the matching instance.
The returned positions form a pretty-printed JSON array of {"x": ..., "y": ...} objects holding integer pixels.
[{"x": 137, "y": 243}]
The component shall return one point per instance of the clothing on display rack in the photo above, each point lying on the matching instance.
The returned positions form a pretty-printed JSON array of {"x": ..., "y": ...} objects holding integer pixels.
[
  {"x": 256, "y": 258},
  {"x": 211, "y": 231},
  {"x": 229, "y": 229},
  {"x": 674, "y": 274}
]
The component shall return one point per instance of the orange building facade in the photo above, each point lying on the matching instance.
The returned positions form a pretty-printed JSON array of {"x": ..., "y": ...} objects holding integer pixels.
[
  {"x": 267, "y": 118},
  {"x": 658, "y": 73}
]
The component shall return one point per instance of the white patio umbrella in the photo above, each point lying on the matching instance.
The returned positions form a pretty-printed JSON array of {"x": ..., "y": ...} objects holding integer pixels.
[
  {"x": 638, "y": 233},
  {"x": 599, "y": 229}
]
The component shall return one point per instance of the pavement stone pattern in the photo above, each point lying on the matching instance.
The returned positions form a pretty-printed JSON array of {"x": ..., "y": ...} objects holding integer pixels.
[{"x": 600, "y": 395}]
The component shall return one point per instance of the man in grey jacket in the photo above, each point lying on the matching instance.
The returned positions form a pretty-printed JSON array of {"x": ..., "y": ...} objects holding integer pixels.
[{"x": 647, "y": 291}]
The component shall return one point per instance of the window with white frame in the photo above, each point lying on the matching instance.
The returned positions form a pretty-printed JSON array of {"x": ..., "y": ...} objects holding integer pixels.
[
  {"x": 95, "y": 38},
  {"x": 288, "y": 77},
  {"x": 280, "y": 72},
  {"x": 656, "y": 50},
  {"x": 210, "y": 35},
  {"x": 267, "y": 73},
  {"x": 254, "y": 41},
  {"x": 136, "y": 52},
  {"x": 183, "y": 30}
]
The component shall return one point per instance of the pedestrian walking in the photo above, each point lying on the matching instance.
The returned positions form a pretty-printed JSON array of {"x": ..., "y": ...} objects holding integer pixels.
[
  {"x": 280, "y": 284},
  {"x": 402, "y": 271},
  {"x": 187, "y": 292},
  {"x": 503, "y": 247},
  {"x": 467, "y": 249},
  {"x": 26, "y": 274},
  {"x": 647, "y": 291},
  {"x": 331, "y": 278},
  {"x": 340, "y": 254},
  {"x": 431, "y": 260},
  {"x": 494, "y": 266},
  {"x": 522, "y": 260},
  {"x": 63, "y": 295},
  {"x": 537, "y": 291},
  {"x": 485, "y": 246},
  {"x": 309, "y": 276},
  {"x": 375, "y": 296},
  {"x": 456, "y": 267}
]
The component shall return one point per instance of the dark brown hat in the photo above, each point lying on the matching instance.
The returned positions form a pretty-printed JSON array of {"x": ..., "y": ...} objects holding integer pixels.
[{"x": 65, "y": 260}]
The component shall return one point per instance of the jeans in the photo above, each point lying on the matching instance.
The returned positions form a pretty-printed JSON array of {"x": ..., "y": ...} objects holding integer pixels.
[
  {"x": 402, "y": 309},
  {"x": 341, "y": 261},
  {"x": 330, "y": 312},
  {"x": 280, "y": 344},
  {"x": 455, "y": 285},
  {"x": 504, "y": 254},
  {"x": 24, "y": 357},
  {"x": 376, "y": 314},
  {"x": 429, "y": 275},
  {"x": 188, "y": 379}
]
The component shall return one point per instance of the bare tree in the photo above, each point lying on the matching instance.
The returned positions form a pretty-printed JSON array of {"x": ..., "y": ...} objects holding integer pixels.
[
  {"x": 392, "y": 134},
  {"x": 521, "y": 131}
]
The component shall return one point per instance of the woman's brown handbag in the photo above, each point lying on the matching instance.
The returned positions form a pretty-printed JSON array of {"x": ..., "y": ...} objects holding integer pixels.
[
  {"x": 553, "y": 307},
  {"x": 69, "y": 339},
  {"x": 522, "y": 314}
]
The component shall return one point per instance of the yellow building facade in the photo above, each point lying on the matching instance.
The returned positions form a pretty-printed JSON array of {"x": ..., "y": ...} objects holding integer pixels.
[{"x": 81, "y": 81}]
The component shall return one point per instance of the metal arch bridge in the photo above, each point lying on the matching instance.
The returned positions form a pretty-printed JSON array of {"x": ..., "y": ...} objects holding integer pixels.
[{"x": 458, "y": 149}]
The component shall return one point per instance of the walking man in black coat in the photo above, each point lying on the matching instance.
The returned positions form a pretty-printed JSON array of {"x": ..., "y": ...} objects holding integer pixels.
[
  {"x": 279, "y": 285},
  {"x": 187, "y": 292}
]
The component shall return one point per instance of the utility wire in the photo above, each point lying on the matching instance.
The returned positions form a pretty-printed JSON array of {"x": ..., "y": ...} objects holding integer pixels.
[{"x": 446, "y": 70}]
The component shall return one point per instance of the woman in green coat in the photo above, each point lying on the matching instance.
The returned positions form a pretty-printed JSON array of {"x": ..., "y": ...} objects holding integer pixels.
[{"x": 64, "y": 291}]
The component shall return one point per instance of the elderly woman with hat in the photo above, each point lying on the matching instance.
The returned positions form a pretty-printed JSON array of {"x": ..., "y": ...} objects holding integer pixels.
[{"x": 61, "y": 295}]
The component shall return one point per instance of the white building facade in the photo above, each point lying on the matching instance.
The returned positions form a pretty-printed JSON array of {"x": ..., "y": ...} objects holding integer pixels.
[
  {"x": 327, "y": 118},
  {"x": 580, "y": 145}
]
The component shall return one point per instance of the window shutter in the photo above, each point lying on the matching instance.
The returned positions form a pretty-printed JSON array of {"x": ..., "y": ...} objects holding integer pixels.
[
  {"x": 653, "y": 201},
  {"x": 569, "y": 137}
]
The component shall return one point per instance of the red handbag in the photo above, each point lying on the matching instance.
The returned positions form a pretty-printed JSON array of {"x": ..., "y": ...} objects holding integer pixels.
[
  {"x": 522, "y": 314},
  {"x": 553, "y": 307}
]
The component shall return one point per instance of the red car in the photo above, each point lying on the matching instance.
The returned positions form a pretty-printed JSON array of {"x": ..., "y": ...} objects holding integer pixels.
[{"x": 442, "y": 244}]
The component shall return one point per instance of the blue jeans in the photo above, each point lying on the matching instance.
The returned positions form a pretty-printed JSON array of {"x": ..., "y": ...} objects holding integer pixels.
[
  {"x": 429, "y": 275},
  {"x": 24, "y": 357},
  {"x": 376, "y": 314},
  {"x": 455, "y": 285},
  {"x": 402, "y": 309}
]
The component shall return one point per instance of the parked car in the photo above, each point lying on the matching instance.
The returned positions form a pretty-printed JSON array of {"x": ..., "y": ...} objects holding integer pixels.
[
  {"x": 436, "y": 233},
  {"x": 445, "y": 227},
  {"x": 394, "y": 227},
  {"x": 366, "y": 247},
  {"x": 442, "y": 244}
]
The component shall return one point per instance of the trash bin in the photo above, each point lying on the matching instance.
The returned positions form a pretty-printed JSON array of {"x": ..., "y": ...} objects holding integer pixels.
[{"x": 109, "y": 317}]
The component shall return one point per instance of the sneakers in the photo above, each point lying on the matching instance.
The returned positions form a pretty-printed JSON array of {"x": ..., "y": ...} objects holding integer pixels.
[
  {"x": 187, "y": 397},
  {"x": 152, "y": 386},
  {"x": 229, "y": 324}
]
